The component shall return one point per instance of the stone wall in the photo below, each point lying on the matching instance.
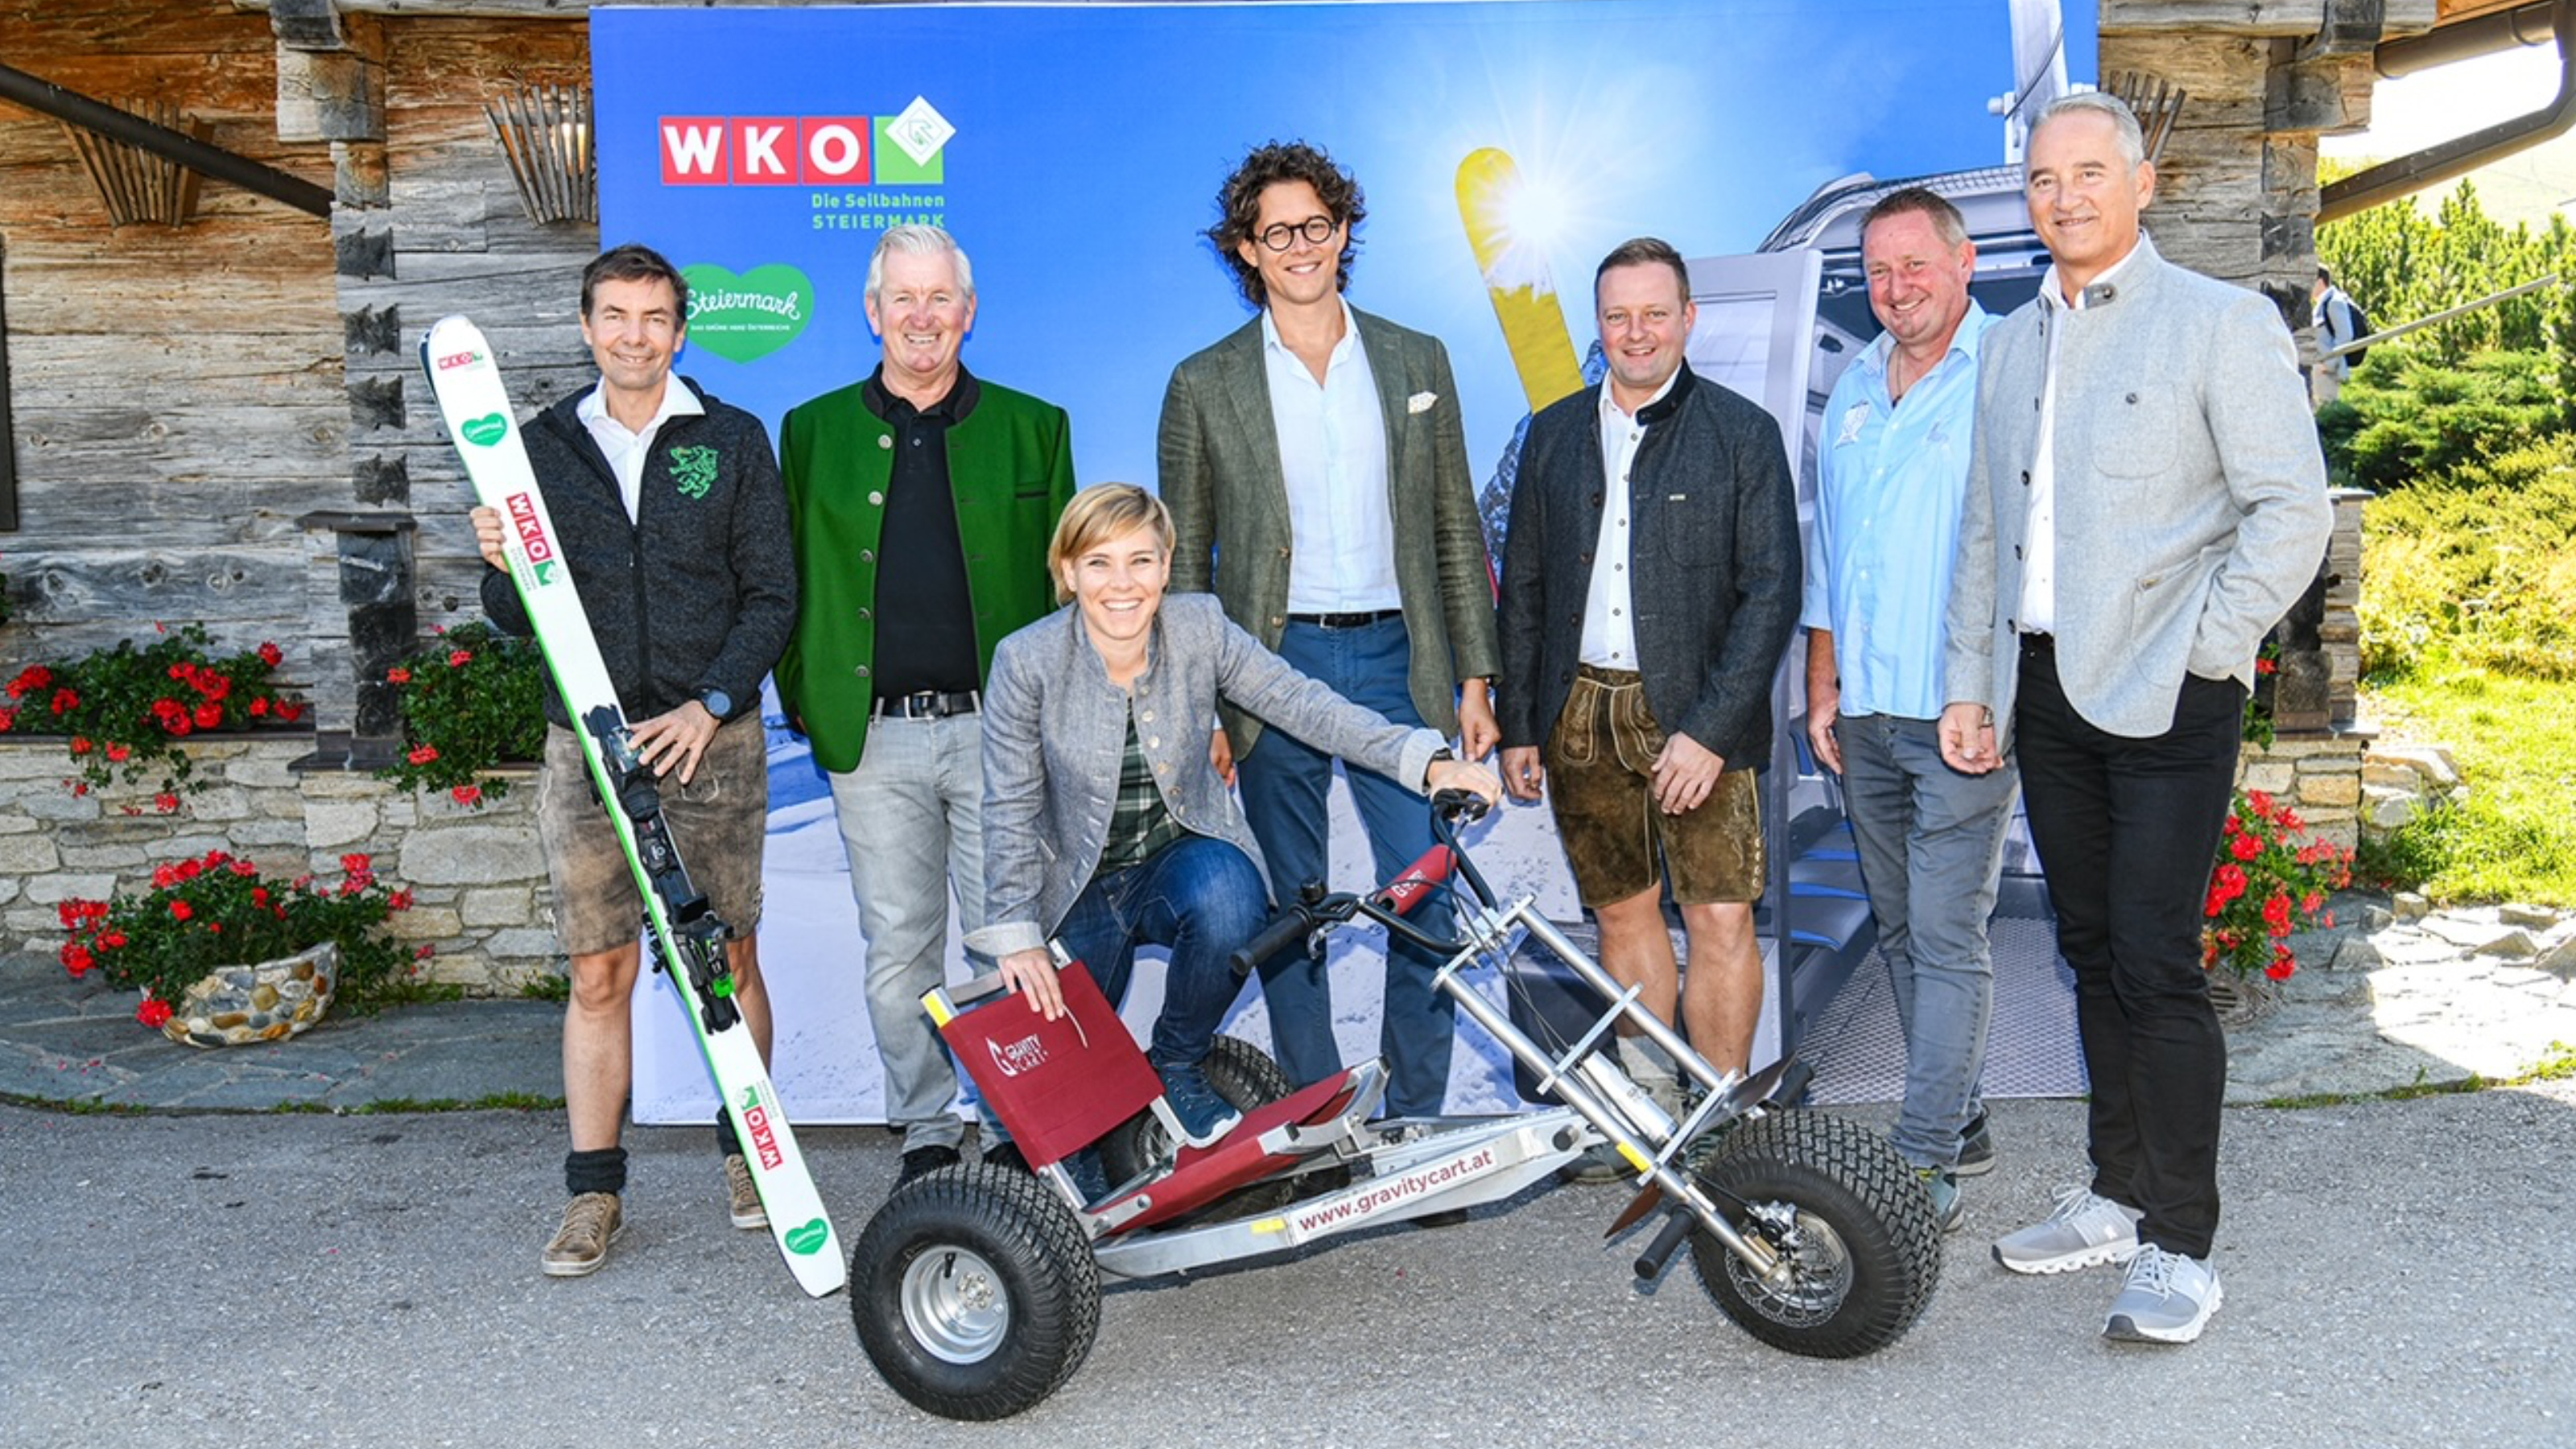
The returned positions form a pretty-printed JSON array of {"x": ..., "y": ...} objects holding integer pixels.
[
  {"x": 2320, "y": 776},
  {"x": 478, "y": 880}
]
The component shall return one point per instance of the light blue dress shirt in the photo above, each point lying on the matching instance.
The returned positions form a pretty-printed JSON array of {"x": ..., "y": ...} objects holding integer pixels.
[{"x": 1892, "y": 475}]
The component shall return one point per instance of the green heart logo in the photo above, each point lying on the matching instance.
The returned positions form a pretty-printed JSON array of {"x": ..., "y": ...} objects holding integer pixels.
[
  {"x": 809, "y": 1239},
  {"x": 745, "y": 318},
  {"x": 486, "y": 430}
]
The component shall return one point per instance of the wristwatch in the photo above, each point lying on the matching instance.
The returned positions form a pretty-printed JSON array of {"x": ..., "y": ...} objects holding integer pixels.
[
  {"x": 718, "y": 703},
  {"x": 1444, "y": 753}
]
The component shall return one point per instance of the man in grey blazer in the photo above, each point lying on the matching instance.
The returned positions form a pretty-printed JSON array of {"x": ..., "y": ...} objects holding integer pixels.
[
  {"x": 1316, "y": 469},
  {"x": 2145, "y": 500}
]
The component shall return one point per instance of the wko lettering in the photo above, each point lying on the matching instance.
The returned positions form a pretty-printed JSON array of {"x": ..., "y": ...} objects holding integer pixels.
[{"x": 900, "y": 149}]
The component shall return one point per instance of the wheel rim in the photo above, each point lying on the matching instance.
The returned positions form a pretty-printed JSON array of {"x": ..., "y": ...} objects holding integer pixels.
[
  {"x": 955, "y": 1306},
  {"x": 1815, "y": 1273}
]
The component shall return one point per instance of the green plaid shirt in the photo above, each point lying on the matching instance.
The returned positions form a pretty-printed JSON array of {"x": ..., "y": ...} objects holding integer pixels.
[{"x": 1141, "y": 824}]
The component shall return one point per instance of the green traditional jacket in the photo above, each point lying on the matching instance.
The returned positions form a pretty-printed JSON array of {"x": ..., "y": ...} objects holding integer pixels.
[{"x": 1010, "y": 467}]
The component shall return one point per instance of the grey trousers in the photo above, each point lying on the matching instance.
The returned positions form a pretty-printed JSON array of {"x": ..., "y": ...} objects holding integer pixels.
[
  {"x": 1931, "y": 850},
  {"x": 912, "y": 822}
]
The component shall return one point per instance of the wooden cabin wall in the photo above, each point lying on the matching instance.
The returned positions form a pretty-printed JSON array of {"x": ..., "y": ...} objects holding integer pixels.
[
  {"x": 452, "y": 237},
  {"x": 177, "y": 394}
]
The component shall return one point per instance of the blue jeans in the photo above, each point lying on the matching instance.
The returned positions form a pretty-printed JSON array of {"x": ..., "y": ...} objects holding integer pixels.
[
  {"x": 1199, "y": 896},
  {"x": 912, "y": 822},
  {"x": 1931, "y": 848},
  {"x": 1284, "y": 783}
]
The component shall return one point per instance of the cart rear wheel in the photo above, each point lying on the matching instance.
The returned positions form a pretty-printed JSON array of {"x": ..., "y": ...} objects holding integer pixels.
[
  {"x": 1246, "y": 1077},
  {"x": 975, "y": 1292},
  {"x": 1860, "y": 1251}
]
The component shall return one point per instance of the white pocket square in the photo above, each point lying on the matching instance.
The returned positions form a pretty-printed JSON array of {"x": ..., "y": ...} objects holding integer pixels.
[{"x": 1421, "y": 402}]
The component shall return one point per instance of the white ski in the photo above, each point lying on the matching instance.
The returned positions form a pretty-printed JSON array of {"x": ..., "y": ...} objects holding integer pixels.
[{"x": 687, "y": 938}]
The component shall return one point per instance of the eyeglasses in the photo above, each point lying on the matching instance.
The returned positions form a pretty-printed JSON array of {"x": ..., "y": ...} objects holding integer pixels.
[{"x": 1317, "y": 230}]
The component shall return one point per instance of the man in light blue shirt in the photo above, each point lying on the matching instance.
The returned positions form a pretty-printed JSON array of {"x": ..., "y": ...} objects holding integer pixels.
[{"x": 1893, "y": 469}]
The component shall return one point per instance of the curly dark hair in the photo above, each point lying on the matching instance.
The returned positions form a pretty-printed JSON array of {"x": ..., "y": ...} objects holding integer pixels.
[{"x": 1238, "y": 205}]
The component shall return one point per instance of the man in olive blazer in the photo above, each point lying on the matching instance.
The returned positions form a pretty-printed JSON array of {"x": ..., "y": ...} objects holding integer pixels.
[{"x": 1316, "y": 467}]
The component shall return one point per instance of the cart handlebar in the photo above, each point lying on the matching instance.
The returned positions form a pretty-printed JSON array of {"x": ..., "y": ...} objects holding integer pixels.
[{"x": 1312, "y": 916}]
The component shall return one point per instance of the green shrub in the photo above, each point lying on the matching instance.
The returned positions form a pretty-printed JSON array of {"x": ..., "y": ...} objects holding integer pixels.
[
  {"x": 2407, "y": 418},
  {"x": 2477, "y": 567}
]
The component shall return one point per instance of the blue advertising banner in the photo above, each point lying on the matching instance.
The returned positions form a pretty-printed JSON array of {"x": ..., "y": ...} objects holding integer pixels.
[{"x": 1075, "y": 151}]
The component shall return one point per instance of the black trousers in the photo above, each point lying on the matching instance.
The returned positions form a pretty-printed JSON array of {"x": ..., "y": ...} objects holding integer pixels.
[{"x": 2127, "y": 829}]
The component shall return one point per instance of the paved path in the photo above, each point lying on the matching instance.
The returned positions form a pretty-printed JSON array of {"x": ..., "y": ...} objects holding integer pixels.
[{"x": 2395, "y": 1274}]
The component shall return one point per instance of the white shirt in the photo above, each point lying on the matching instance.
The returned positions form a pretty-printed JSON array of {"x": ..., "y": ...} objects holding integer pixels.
[
  {"x": 1332, "y": 456},
  {"x": 627, "y": 450},
  {"x": 1609, "y": 607},
  {"x": 2038, "y": 612}
]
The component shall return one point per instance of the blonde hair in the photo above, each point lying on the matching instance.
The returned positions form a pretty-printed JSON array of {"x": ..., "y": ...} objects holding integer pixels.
[{"x": 1098, "y": 514}]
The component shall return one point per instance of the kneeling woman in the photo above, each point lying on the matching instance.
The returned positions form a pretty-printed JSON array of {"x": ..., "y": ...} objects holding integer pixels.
[{"x": 1105, "y": 823}]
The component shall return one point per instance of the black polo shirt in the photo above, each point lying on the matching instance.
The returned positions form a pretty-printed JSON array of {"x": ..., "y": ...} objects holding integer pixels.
[{"x": 925, "y": 611}]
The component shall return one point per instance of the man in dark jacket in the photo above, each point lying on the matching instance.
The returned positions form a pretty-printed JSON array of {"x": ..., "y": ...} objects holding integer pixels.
[
  {"x": 1650, "y": 583},
  {"x": 669, "y": 512}
]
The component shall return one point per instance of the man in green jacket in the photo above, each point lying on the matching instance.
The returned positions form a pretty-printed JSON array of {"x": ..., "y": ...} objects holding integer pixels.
[{"x": 922, "y": 500}]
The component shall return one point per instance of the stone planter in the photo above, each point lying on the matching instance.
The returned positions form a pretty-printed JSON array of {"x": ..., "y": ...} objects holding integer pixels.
[
  {"x": 2242, "y": 999},
  {"x": 274, "y": 1000}
]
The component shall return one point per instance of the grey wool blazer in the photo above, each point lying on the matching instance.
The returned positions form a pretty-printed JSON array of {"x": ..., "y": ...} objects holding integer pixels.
[
  {"x": 1218, "y": 467},
  {"x": 2190, "y": 493},
  {"x": 1055, "y": 735}
]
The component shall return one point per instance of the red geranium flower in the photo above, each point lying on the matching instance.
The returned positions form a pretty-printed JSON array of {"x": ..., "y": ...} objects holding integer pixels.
[
  {"x": 2245, "y": 847},
  {"x": 166, "y": 803},
  {"x": 66, "y": 700},
  {"x": 460, "y": 658},
  {"x": 271, "y": 655},
  {"x": 259, "y": 705},
  {"x": 209, "y": 715},
  {"x": 118, "y": 753},
  {"x": 181, "y": 910},
  {"x": 154, "y": 1013},
  {"x": 467, "y": 794},
  {"x": 398, "y": 675},
  {"x": 423, "y": 755}
]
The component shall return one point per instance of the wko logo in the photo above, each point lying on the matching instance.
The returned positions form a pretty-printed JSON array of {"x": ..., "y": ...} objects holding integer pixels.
[{"x": 904, "y": 149}]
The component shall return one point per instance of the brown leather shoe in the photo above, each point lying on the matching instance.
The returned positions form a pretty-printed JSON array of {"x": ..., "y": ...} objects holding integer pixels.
[
  {"x": 747, "y": 1211},
  {"x": 591, "y": 1222}
]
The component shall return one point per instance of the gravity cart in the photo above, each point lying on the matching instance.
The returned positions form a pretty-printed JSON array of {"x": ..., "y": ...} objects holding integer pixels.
[{"x": 976, "y": 1288}]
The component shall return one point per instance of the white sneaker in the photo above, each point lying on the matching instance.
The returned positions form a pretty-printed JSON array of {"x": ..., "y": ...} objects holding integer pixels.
[
  {"x": 2083, "y": 1229},
  {"x": 2169, "y": 1298}
]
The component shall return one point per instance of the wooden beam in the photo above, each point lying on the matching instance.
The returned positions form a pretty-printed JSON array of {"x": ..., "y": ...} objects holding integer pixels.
[{"x": 8, "y": 431}]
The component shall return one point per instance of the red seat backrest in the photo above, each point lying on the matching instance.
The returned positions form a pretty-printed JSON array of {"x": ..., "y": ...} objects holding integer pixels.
[{"x": 1059, "y": 1085}]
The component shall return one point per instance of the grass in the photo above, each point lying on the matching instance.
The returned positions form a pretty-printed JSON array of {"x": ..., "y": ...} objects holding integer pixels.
[{"x": 2515, "y": 740}]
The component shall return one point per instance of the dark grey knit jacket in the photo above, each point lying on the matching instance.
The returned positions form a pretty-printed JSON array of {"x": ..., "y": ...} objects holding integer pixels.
[
  {"x": 1714, "y": 565},
  {"x": 699, "y": 590}
]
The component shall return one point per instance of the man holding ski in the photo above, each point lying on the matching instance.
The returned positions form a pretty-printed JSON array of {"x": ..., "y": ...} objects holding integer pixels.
[{"x": 669, "y": 513}]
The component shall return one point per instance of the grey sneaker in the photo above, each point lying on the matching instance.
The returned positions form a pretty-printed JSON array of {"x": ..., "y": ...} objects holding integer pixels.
[
  {"x": 591, "y": 1222},
  {"x": 2080, "y": 1231},
  {"x": 1976, "y": 1148},
  {"x": 747, "y": 1211},
  {"x": 1944, "y": 1191},
  {"x": 2169, "y": 1299}
]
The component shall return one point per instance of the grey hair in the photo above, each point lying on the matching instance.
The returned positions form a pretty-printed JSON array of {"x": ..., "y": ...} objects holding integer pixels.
[
  {"x": 2124, "y": 122},
  {"x": 920, "y": 241}
]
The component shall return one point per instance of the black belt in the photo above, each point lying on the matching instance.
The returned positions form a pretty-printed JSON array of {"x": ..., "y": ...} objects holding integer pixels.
[
  {"x": 930, "y": 704},
  {"x": 1347, "y": 621},
  {"x": 2035, "y": 639}
]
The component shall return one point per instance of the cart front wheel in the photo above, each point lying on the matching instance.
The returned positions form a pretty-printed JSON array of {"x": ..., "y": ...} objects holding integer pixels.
[
  {"x": 1859, "y": 1249},
  {"x": 975, "y": 1292}
]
